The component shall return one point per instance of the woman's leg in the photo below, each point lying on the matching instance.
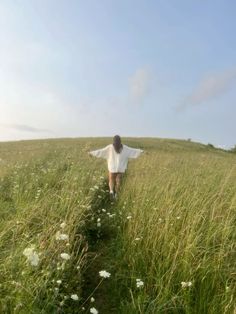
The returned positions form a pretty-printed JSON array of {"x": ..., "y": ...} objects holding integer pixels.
[
  {"x": 118, "y": 181},
  {"x": 112, "y": 177}
]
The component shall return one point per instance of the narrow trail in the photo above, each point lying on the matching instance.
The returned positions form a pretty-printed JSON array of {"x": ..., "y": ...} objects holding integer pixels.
[{"x": 100, "y": 230}]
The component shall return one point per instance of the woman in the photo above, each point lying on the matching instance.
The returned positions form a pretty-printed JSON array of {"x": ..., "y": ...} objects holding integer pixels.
[{"x": 117, "y": 156}]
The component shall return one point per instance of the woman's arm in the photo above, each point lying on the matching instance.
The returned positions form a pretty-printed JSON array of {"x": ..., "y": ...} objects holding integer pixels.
[
  {"x": 134, "y": 152},
  {"x": 100, "y": 153}
]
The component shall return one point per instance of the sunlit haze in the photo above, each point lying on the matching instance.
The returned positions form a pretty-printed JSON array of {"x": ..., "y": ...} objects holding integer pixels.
[{"x": 135, "y": 68}]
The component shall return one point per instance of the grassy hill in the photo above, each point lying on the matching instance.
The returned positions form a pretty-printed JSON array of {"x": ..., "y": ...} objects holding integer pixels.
[{"x": 172, "y": 228}]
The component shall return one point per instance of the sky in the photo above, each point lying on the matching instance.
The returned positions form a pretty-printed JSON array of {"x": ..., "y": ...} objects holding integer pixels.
[{"x": 158, "y": 68}]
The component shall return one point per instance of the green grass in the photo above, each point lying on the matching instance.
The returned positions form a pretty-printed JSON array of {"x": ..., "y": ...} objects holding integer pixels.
[{"x": 181, "y": 197}]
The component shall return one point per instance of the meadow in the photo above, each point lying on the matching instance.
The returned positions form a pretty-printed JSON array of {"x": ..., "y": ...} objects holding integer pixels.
[{"x": 166, "y": 245}]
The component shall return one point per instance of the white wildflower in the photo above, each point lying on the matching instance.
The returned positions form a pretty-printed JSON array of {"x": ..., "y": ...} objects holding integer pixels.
[
  {"x": 93, "y": 310},
  {"x": 62, "y": 225},
  {"x": 104, "y": 274},
  {"x": 129, "y": 217},
  {"x": 99, "y": 219},
  {"x": 59, "y": 282},
  {"x": 139, "y": 283},
  {"x": 186, "y": 284},
  {"x": 92, "y": 299},
  {"x": 98, "y": 224},
  {"x": 62, "y": 236},
  {"x": 28, "y": 251},
  {"x": 103, "y": 209},
  {"x": 111, "y": 215},
  {"x": 31, "y": 256},
  {"x": 74, "y": 297},
  {"x": 65, "y": 256}
]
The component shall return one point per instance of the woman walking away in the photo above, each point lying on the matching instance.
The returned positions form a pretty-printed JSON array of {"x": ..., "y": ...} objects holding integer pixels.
[{"x": 117, "y": 155}]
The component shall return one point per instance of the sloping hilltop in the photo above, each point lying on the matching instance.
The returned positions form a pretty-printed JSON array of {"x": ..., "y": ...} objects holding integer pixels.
[{"x": 166, "y": 245}]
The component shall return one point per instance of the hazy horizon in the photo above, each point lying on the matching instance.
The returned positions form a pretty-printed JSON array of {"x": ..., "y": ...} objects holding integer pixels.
[{"x": 123, "y": 137}]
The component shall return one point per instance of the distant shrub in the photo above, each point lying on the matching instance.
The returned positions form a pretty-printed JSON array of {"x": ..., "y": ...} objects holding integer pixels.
[
  {"x": 210, "y": 145},
  {"x": 189, "y": 139},
  {"x": 233, "y": 149}
]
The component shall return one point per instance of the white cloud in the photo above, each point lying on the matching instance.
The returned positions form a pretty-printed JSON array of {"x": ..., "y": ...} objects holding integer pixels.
[
  {"x": 209, "y": 88},
  {"x": 139, "y": 85},
  {"x": 25, "y": 128}
]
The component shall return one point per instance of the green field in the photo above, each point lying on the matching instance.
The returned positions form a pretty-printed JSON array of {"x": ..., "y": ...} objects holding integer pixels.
[{"x": 172, "y": 227}]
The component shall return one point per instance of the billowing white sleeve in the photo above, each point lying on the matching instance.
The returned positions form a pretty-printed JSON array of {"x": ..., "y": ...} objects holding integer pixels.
[
  {"x": 101, "y": 153},
  {"x": 134, "y": 152}
]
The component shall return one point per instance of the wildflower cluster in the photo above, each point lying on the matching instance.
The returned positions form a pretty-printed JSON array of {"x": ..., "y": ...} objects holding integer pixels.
[
  {"x": 93, "y": 310},
  {"x": 104, "y": 274},
  {"x": 186, "y": 284},
  {"x": 31, "y": 255},
  {"x": 139, "y": 283}
]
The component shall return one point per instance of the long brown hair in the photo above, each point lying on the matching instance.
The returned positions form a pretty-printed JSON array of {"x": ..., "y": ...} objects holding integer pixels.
[{"x": 117, "y": 143}]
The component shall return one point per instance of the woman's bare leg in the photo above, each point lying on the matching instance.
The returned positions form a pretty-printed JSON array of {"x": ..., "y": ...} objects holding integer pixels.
[
  {"x": 111, "y": 181},
  {"x": 118, "y": 181}
]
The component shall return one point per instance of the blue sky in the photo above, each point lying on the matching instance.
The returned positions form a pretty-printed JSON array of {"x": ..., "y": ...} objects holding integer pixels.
[{"x": 135, "y": 68}]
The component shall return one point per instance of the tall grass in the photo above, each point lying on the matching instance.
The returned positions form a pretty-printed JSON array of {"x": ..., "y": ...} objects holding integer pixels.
[
  {"x": 175, "y": 222},
  {"x": 183, "y": 210},
  {"x": 37, "y": 195}
]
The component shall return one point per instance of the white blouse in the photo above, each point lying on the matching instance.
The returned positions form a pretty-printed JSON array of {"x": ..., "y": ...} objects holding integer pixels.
[{"x": 117, "y": 162}]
